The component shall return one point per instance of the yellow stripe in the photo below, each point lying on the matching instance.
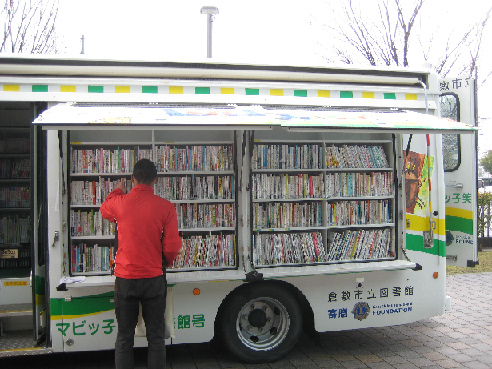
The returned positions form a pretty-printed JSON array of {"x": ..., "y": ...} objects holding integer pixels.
[
  {"x": 40, "y": 300},
  {"x": 461, "y": 213},
  {"x": 60, "y": 317},
  {"x": 223, "y": 280},
  {"x": 411, "y": 96},
  {"x": 122, "y": 89},
  {"x": 15, "y": 311},
  {"x": 227, "y": 91},
  {"x": 368, "y": 95},
  {"x": 421, "y": 224},
  {"x": 276, "y": 92},
  {"x": 68, "y": 89},
  {"x": 323, "y": 93},
  {"x": 15, "y": 88},
  {"x": 175, "y": 89},
  {"x": 14, "y": 283},
  {"x": 23, "y": 349}
]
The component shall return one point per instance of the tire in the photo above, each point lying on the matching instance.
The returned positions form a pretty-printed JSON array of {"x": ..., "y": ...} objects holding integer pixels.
[{"x": 261, "y": 323}]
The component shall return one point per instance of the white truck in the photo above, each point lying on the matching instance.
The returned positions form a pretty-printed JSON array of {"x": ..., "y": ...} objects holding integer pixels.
[{"x": 308, "y": 197}]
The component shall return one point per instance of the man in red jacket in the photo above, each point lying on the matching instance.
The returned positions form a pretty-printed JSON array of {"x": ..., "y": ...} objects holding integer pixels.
[{"x": 147, "y": 230}]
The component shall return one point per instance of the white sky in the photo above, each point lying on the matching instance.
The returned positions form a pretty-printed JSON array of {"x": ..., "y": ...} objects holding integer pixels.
[
  {"x": 244, "y": 29},
  {"x": 263, "y": 31},
  {"x": 176, "y": 30}
]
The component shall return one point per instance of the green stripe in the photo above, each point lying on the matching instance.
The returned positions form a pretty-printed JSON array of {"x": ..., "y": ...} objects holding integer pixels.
[
  {"x": 83, "y": 305},
  {"x": 252, "y": 91},
  {"x": 390, "y": 96},
  {"x": 39, "y": 88},
  {"x": 39, "y": 284},
  {"x": 149, "y": 89},
  {"x": 416, "y": 243},
  {"x": 346, "y": 94},
  {"x": 95, "y": 89},
  {"x": 300, "y": 93},
  {"x": 202, "y": 90},
  {"x": 459, "y": 224},
  {"x": 56, "y": 307}
]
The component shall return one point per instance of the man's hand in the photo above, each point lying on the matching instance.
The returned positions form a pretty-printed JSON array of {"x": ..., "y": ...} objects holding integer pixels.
[{"x": 121, "y": 185}]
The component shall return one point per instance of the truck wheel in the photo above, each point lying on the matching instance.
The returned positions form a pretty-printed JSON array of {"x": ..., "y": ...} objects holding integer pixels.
[{"x": 261, "y": 323}]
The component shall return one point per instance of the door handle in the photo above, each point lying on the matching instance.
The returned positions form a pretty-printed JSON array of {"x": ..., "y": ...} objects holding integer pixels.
[{"x": 455, "y": 185}]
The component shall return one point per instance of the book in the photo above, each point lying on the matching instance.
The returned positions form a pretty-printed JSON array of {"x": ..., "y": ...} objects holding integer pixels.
[
  {"x": 286, "y": 156},
  {"x": 355, "y": 156},
  {"x": 192, "y": 215},
  {"x": 15, "y": 197},
  {"x": 288, "y": 248},
  {"x": 360, "y": 245},
  {"x": 91, "y": 258},
  {"x": 285, "y": 186},
  {"x": 345, "y": 213},
  {"x": 206, "y": 251}
]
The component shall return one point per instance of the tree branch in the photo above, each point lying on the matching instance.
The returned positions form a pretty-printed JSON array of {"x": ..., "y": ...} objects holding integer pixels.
[{"x": 30, "y": 26}]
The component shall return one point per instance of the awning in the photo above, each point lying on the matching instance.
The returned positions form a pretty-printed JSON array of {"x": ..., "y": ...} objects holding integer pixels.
[{"x": 155, "y": 116}]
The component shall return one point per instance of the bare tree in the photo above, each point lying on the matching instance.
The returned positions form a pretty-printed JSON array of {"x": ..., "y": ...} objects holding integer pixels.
[
  {"x": 382, "y": 40},
  {"x": 29, "y": 26},
  {"x": 386, "y": 35},
  {"x": 462, "y": 56}
]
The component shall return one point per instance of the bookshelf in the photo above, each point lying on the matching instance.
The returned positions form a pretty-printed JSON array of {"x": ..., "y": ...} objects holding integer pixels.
[
  {"x": 197, "y": 176},
  {"x": 321, "y": 200},
  {"x": 15, "y": 202}
]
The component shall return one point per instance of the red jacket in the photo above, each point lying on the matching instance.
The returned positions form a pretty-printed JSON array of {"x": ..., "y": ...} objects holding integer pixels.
[{"x": 142, "y": 219}]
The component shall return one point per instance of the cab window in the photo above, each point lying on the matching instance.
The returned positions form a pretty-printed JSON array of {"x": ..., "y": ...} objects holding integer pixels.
[{"x": 450, "y": 108}]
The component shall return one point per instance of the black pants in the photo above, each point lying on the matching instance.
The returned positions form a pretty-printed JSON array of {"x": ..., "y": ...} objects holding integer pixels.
[{"x": 151, "y": 293}]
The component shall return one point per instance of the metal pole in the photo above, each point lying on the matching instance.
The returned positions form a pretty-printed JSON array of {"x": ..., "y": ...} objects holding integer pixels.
[
  {"x": 82, "y": 39},
  {"x": 210, "y": 19},
  {"x": 210, "y": 11}
]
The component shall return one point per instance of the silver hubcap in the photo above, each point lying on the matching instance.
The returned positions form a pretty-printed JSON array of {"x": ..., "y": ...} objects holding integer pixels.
[{"x": 262, "y": 324}]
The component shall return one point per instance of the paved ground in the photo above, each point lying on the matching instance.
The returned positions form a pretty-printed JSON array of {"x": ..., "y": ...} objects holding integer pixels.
[{"x": 462, "y": 338}]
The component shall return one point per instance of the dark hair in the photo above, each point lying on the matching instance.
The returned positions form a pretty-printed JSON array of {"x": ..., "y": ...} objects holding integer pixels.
[{"x": 144, "y": 171}]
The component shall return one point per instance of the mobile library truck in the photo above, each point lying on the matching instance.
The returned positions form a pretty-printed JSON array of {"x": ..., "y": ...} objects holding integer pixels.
[{"x": 321, "y": 198}]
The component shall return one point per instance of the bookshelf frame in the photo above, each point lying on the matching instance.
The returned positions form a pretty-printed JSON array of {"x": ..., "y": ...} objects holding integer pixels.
[
  {"x": 228, "y": 138},
  {"x": 20, "y": 264},
  {"x": 326, "y": 230}
]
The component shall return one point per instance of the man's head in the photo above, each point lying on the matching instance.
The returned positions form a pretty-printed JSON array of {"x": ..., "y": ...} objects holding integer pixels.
[{"x": 145, "y": 172}]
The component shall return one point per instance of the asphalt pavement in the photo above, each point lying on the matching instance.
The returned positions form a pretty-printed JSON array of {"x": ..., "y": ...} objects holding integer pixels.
[{"x": 461, "y": 338}]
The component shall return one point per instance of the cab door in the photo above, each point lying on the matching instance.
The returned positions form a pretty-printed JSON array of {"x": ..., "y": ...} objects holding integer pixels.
[{"x": 458, "y": 102}]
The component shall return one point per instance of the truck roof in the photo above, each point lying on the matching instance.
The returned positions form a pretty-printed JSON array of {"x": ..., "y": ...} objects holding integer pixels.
[{"x": 82, "y": 66}]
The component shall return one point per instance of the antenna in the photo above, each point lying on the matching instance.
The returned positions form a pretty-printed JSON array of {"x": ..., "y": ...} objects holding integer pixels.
[
  {"x": 82, "y": 39},
  {"x": 210, "y": 11}
]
